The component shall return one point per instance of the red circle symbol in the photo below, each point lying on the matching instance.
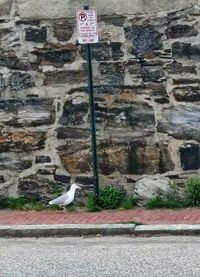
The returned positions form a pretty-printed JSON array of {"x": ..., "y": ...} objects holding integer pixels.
[{"x": 82, "y": 16}]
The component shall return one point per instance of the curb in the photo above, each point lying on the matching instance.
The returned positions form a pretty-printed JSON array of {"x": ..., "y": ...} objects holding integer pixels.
[
  {"x": 66, "y": 230},
  {"x": 168, "y": 229},
  {"x": 97, "y": 229}
]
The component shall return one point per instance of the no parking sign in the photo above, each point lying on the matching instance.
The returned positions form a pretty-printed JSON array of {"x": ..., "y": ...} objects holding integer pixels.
[{"x": 87, "y": 28}]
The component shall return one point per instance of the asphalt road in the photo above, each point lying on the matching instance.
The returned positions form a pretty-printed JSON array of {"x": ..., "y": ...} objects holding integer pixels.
[{"x": 100, "y": 256}]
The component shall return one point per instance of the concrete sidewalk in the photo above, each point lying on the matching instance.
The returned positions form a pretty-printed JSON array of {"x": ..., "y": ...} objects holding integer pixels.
[{"x": 48, "y": 223}]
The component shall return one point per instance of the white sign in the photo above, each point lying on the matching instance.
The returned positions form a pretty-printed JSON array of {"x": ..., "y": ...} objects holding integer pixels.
[{"x": 87, "y": 26}]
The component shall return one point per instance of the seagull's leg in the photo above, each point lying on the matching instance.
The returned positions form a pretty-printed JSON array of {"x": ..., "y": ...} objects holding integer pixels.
[
  {"x": 64, "y": 209},
  {"x": 71, "y": 208}
]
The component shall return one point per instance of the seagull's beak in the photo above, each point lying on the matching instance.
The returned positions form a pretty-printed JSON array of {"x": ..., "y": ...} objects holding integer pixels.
[{"x": 79, "y": 187}]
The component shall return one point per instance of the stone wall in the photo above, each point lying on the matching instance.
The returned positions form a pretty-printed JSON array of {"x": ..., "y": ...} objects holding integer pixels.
[{"x": 147, "y": 92}]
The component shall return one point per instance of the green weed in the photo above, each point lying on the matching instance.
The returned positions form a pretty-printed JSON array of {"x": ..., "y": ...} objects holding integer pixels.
[
  {"x": 127, "y": 204},
  {"x": 158, "y": 203},
  {"x": 91, "y": 203},
  {"x": 193, "y": 191},
  {"x": 110, "y": 197}
]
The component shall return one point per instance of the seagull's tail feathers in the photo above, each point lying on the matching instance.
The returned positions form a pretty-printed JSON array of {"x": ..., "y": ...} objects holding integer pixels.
[{"x": 51, "y": 202}]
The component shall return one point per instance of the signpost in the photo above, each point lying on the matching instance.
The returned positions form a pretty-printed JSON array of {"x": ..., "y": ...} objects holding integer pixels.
[
  {"x": 87, "y": 26},
  {"x": 88, "y": 34}
]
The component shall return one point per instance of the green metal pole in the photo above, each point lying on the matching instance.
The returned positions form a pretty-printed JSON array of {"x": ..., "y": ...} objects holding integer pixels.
[{"x": 92, "y": 121}]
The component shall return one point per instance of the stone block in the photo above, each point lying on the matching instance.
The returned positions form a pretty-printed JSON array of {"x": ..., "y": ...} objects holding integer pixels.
[
  {"x": 190, "y": 156},
  {"x": 156, "y": 89},
  {"x": 161, "y": 100},
  {"x": 67, "y": 76},
  {"x": 113, "y": 157},
  {"x": 35, "y": 23},
  {"x": 36, "y": 34},
  {"x": 187, "y": 93},
  {"x": 8, "y": 59},
  {"x": 112, "y": 73},
  {"x": 182, "y": 122},
  {"x": 20, "y": 81},
  {"x": 134, "y": 67},
  {"x": 185, "y": 81},
  {"x": 42, "y": 159},
  {"x": 62, "y": 178},
  {"x": 74, "y": 113},
  {"x": 47, "y": 170},
  {"x": 56, "y": 55},
  {"x": 22, "y": 141},
  {"x": 185, "y": 51},
  {"x": 28, "y": 112},
  {"x": 63, "y": 29},
  {"x": 179, "y": 31},
  {"x": 137, "y": 116},
  {"x": 71, "y": 133},
  {"x": 25, "y": 66},
  {"x": 152, "y": 74},
  {"x": 106, "y": 89},
  {"x": 39, "y": 188},
  {"x": 177, "y": 68},
  {"x": 145, "y": 39},
  {"x": 166, "y": 163},
  {"x": 143, "y": 158},
  {"x": 148, "y": 187},
  {"x": 159, "y": 96},
  {"x": 75, "y": 158},
  {"x": 8, "y": 162},
  {"x": 149, "y": 158},
  {"x": 85, "y": 180}
]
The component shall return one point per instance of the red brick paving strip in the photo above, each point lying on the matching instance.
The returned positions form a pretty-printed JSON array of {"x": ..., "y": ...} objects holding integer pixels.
[{"x": 185, "y": 216}]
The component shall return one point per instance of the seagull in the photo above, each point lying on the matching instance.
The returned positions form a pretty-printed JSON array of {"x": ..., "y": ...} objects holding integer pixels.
[{"x": 66, "y": 198}]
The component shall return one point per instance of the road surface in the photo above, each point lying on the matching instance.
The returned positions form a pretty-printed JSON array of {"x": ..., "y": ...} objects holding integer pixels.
[{"x": 100, "y": 256}]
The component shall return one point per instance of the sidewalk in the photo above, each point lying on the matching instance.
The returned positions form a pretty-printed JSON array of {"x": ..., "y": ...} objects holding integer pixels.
[
  {"x": 183, "y": 216},
  {"x": 61, "y": 223}
]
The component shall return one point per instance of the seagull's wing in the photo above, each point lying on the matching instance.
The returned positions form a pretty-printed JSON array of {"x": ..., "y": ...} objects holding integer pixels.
[
  {"x": 60, "y": 200},
  {"x": 69, "y": 198}
]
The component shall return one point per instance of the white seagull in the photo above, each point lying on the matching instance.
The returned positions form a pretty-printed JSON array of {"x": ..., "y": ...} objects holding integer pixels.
[{"x": 66, "y": 198}]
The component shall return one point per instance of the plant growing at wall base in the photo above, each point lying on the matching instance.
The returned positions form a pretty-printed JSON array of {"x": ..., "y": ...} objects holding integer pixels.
[
  {"x": 169, "y": 199},
  {"x": 4, "y": 203},
  {"x": 37, "y": 206},
  {"x": 18, "y": 203},
  {"x": 21, "y": 203},
  {"x": 193, "y": 191},
  {"x": 54, "y": 208},
  {"x": 159, "y": 203},
  {"x": 70, "y": 208},
  {"x": 110, "y": 197},
  {"x": 91, "y": 203},
  {"x": 127, "y": 203}
]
